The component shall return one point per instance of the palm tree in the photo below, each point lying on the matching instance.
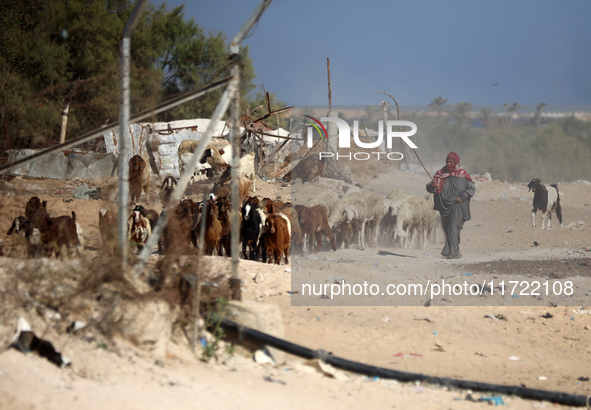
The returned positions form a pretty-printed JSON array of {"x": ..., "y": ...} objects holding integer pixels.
[
  {"x": 512, "y": 109},
  {"x": 461, "y": 111},
  {"x": 437, "y": 105},
  {"x": 538, "y": 116},
  {"x": 486, "y": 114}
]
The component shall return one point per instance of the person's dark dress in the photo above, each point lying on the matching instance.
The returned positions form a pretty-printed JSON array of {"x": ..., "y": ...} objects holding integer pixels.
[{"x": 453, "y": 214}]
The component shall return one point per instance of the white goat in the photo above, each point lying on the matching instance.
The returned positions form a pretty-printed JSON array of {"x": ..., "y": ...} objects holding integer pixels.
[
  {"x": 328, "y": 199},
  {"x": 409, "y": 219},
  {"x": 368, "y": 207}
]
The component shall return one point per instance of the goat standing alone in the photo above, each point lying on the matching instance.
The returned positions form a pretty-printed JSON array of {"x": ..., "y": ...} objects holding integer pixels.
[
  {"x": 139, "y": 178},
  {"x": 545, "y": 200}
]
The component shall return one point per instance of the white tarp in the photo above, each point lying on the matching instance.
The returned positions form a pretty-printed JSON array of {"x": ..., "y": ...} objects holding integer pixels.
[{"x": 163, "y": 139}]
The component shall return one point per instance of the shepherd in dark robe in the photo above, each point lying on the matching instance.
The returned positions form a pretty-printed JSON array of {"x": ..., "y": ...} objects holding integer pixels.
[{"x": 453, "y": 189}]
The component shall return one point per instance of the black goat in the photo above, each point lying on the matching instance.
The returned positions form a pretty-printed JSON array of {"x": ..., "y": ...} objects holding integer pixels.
[
  {"x": 546, "y": 201},
  {"x": 251, "y": 229}
]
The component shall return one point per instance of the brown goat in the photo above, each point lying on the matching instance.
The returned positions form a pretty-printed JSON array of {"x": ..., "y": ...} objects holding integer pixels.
[
  {"x": 314, "y": 223},
  {"x": 244, "y": 185},
  {"x": 213, "y": 227},
  {"x": 138, "y": 228},
  {"x": 108, "y": 229},
  {"x": 32, "y": 206},
  {"x": 296, "y": 231},
  {"x": 308, "y": 169},
  {"x": 277, "y": 239},
  {"x": 62, "y": 231},
  {"x": 139, "y": 178},
  {"x": 224, "y": 214},
  {"x": 177, "y": 236}
]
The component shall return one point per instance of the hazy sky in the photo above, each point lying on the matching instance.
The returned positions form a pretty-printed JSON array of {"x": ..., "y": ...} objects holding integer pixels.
[{"x": 533, "y": 50}]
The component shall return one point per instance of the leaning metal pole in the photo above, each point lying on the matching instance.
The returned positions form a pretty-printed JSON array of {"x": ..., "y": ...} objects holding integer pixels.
[
  {"x": 124, "y": 126},
  {"x": 235, "y": 115}
]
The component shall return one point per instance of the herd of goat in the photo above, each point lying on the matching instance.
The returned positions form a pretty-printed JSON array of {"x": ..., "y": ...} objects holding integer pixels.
[{"x": 269, "y": 229}]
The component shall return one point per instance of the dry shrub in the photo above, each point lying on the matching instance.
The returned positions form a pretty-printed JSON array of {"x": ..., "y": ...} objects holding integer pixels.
[{"x": 91, "y": 291}]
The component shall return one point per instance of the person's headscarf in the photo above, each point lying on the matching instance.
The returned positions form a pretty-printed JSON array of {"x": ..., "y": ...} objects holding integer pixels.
[{"x": 449, "y": 170}]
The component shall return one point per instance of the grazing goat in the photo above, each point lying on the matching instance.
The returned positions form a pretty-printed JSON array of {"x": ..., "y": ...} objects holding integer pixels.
[
  {"x": 277, "y": 238},
  {"x": 19, "y": 225},
  {"x": 62, "y": 231},
  {"x": 168, "y": 185},
  {"x": 138, "y": 228},
  {"x": 251, "y": 228},
  {"x": 314, "y": 223},
  {"x": 139, "y": 178},
  {"x": 108, "y": 230},
  {"x": 546, "y": 200}
]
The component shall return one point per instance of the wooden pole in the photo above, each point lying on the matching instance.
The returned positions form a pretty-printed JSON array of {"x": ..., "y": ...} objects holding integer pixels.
[
  {"x": 65, "y": 111},
  {"x": 329, "y": 85}
]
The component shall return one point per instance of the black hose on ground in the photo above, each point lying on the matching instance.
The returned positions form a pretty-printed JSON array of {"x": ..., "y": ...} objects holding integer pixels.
[{"x": 373, "y": 371}]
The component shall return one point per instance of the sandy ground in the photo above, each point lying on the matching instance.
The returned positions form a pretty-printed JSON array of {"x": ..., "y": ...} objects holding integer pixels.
[{"x": 537, "y": 342}]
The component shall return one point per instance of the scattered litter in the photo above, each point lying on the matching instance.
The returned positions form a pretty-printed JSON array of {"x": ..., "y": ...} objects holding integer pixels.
[
  {"x": 547, "y": 316},
  {"x": 258, "y": 277},
  {"x": 262, "y": 356},
  {"x": 496, "y": 400},
  {"x": 272, "y": 380},
  {"x": 438, "y": 347},
  {"x": 536, "y": 243},
  {"x": 288, "y": 270},
  {"x": 515, "y": 358},
  {"x": 386, "y": 319},
  {"x": 588, "y": 248},
  {"x": 543, "y": 378},
  {"x": 85, "y": 192},
  {"x": 467, "y": 274},
  {"x": 407, "y": 355},
  {"x": 583, "y": 379},
  {"x": 75, "y": 326},
  {"x": 496, "y": 318},
  {"x": 435, "y": 332},
  {"x": 375, "y": 264},
  {"x": 329, "y": 370},
  {"x": 25, "y": 341},
  {"x": 294, "y": 292}
]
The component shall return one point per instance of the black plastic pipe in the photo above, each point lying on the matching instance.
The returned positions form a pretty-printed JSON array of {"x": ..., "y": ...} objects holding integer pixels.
[{"x": 374, "y": 371}]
